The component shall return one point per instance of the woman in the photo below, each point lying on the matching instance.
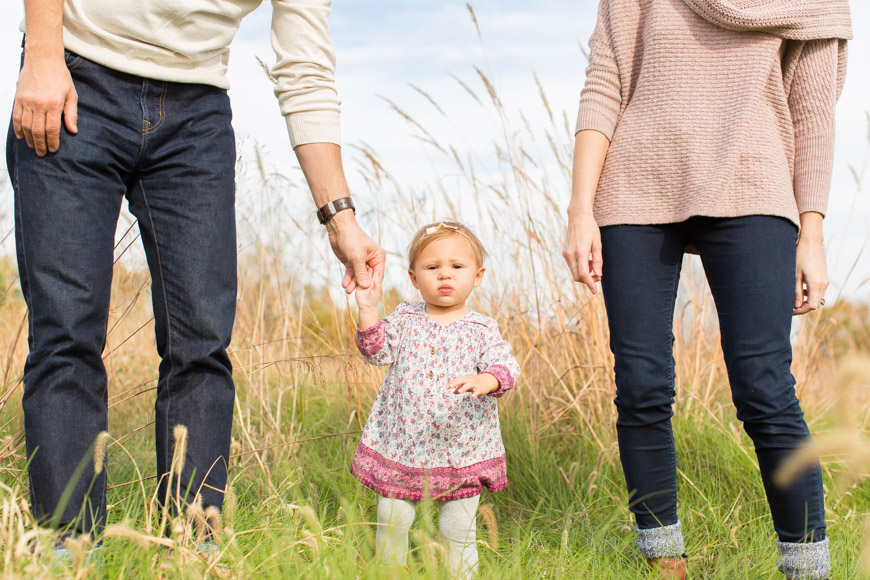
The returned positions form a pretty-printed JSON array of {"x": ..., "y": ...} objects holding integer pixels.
[{"x": 709, "y": 124}]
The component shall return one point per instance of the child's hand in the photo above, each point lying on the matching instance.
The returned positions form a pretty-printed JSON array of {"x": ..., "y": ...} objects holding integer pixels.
[
  {"x": 368, "y": 298},
  {"x": 477, "y": 385}
]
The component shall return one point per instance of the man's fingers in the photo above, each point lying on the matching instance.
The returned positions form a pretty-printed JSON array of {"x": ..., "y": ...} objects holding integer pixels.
[
  {"x": 71, "y": 112},
  {"x": 360, "y": 272},
  {"x": 17, "y": 113},
  {"x": 378, "y": 270},
  {"x": 52, "y": 131},
  {"x": 26, "y": 121},
  {"x": 348, "y": 282},
  {"x": 37, "y": 129}
]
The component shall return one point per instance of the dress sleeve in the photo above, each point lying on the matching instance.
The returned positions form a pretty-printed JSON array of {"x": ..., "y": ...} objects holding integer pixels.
[
  {"x": 304, "y": 72},
  {"x": 497, "y": 360},
  {"x": 811, "y": 101},
  {"x": 601, "y": 98},
  {"x": 379, "y": 343}
]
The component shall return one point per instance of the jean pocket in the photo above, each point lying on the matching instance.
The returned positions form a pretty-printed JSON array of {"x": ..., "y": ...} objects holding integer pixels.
[{"x": 72, "y": 59}]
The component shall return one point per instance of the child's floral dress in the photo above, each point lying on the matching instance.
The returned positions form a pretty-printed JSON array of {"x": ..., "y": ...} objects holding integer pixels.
[{"x": 421, "y": 439}]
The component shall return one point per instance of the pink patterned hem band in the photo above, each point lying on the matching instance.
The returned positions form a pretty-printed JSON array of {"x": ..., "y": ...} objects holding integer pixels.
[{"x": 391, "y": 479}]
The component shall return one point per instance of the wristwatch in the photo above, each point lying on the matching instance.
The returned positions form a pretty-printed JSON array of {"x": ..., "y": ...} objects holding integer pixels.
[{"x": 325, "y": 213}]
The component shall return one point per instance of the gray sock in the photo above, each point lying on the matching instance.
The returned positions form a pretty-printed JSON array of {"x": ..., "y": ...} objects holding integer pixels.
[
  {"x": 804, "y": 560},
  {"x": 661, "y": 542}
]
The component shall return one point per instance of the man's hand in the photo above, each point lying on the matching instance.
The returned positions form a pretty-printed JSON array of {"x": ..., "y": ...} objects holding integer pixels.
[
  {"x": 362, "y": 257},
  {"x": 45, "y": 92}
]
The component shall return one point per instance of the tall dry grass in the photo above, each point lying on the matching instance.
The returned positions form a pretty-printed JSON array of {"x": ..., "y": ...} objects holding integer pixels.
[{"x": 293, "y": 349}]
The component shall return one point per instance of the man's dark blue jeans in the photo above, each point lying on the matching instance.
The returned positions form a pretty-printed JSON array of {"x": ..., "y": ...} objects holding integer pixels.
[
  {"x": 169, "y": 149},
  {"x": 750, "y": 266}
]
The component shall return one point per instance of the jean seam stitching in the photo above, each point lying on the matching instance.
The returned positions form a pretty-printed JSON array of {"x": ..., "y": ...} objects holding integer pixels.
[
  {"x": 672, "y": 372},
  {"x": 168, "y": 323},
  {"x": 144, "y": 102},
  {"x": 160, "y": 112},
  {"x": 74, "y": 63},
  {"x": 17, "y": 189}
]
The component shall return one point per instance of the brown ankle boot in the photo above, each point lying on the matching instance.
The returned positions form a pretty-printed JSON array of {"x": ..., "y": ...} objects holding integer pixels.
[{"x": 670, "y": 568}]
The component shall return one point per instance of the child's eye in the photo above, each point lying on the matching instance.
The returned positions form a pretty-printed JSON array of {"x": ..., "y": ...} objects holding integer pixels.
[
  {"x": 431, "y": 267},
  {"x": 457, "y": 266}
]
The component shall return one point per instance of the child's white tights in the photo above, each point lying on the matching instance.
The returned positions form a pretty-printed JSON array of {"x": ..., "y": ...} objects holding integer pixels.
[{"x": 456, "y": 522}]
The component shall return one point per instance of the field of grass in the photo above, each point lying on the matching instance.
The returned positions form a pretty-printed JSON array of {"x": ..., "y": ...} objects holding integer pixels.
[
  {"x": 303, "y": 393},
  {"x": 294, "y": 511}
]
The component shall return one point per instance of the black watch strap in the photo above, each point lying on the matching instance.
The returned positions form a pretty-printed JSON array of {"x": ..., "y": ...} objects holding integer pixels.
[{"x": 333, "y": 207}]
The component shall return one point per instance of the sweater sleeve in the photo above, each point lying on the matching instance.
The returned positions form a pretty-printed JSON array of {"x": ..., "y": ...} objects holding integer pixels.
[
  {"x": 304, "y": 72},
  {"x": 601, "y": 98},
  {"x": 496, "y": 359},
  {"x": 811, "y": 101},
  {"x": 379, "y": 343}
]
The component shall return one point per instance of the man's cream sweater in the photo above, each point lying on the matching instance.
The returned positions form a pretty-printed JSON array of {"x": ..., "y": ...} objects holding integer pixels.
[{"x": 188, "y": 41}]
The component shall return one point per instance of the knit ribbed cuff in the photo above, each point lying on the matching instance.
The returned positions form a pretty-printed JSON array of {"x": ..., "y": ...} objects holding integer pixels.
[
  {"x": 591, "y": 118},
  {"x": 661, "y": 542},
  {"x": 813, "y": 165},
  {"x": 804, "y": 560},
  {"x": 313, "y": 127}
]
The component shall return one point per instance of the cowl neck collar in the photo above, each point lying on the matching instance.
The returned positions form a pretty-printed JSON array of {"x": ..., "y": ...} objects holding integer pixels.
[{"x": 791, "y": 19}]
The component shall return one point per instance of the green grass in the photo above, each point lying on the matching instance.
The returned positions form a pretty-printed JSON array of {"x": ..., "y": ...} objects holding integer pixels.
[{"x": 563, "y": 516}]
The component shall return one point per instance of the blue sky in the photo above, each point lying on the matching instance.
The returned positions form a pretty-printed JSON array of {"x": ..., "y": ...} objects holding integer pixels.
[{"x": 384, "y": 46}]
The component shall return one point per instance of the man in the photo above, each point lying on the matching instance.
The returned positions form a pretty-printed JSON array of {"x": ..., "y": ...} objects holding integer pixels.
[{"x": 127, "y": 98}]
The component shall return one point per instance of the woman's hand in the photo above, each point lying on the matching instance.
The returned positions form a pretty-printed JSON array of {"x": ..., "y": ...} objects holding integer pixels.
[
  {"x": 477, "y": 385},
  {"x": 582, "y": 251},
  {"x": 811, "y": 276}
]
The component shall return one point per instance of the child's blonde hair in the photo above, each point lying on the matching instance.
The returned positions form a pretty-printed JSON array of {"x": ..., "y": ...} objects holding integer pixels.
[{"x": 435, "y": 231}]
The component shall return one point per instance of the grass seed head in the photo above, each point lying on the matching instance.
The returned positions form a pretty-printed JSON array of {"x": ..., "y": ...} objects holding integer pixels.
[
  {"x": 100, "y": 446},
  {"x": 486, "y": 512},
  {"x": 179, "y": 433}
]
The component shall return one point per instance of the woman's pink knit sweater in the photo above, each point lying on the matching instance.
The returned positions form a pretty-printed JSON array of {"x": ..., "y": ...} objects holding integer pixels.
[{"x": 706, "y": 121}]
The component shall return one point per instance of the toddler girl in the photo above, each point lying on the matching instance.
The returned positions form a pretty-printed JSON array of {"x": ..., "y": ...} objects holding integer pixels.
[{"x": 433, "y": 432}]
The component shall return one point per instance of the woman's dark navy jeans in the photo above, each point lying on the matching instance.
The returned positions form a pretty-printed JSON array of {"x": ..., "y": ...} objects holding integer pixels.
[
  {"x": 169, "y": 149},
  {"x": 750, "y": 266}
]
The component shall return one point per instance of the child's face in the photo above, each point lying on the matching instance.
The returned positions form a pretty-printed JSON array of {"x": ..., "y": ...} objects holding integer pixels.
[{"x": 445, "y": 272}]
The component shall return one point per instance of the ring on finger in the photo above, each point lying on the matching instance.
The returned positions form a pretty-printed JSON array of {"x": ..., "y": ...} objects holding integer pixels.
[{"x": 822, "y": 302}]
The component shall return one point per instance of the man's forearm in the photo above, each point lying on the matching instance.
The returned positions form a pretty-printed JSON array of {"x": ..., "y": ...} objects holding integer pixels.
[
  {"x": 321, "y": 164},
  {"x": 44, "y": 22}
]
